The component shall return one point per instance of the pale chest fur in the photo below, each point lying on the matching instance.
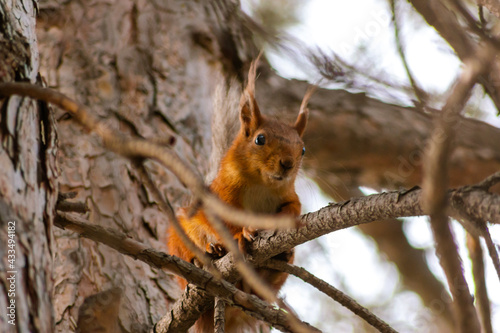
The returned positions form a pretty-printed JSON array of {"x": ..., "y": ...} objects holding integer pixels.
[{"x": 259, "y": 199}]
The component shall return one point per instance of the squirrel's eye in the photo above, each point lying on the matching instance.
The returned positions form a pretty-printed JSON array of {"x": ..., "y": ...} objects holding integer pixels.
[
  {"x": 303, "y": 150},
  {"x": 260, "y": 140}
]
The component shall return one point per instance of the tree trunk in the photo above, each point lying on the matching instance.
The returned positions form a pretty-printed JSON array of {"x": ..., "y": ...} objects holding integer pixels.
[
  {"x": 136, "y": 64},
  {"x": 28, "y": 188}
]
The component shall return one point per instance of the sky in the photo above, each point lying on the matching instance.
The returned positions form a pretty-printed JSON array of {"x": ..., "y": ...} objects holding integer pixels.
[{"x": 346, "y": 258}]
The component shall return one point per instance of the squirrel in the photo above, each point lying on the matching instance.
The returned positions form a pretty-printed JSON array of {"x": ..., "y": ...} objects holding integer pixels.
[{"x": 256, "y": 174}]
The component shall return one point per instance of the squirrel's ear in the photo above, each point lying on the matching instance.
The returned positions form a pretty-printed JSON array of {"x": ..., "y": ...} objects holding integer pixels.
[
  {"x": 249, "y": 110},
  {"x": 301, "y": 122}
]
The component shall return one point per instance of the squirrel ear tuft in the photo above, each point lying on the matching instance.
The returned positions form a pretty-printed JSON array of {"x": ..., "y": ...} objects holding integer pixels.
[
  {"x": 301, "y": 122},
  {"x": 249, "y": 110}
]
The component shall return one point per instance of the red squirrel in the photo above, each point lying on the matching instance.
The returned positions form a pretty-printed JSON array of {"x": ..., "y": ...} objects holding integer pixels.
[{"x": 256, "y": 174}]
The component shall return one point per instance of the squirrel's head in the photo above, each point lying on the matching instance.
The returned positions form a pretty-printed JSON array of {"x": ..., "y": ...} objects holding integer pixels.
[{"x": 271, "y": 150}]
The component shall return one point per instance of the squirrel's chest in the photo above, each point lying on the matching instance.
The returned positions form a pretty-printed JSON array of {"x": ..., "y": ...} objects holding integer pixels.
[{"x": 259, "y": 199}]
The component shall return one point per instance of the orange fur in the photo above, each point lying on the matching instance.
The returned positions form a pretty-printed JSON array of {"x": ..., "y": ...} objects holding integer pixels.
[{"x": 254, "y": 177}]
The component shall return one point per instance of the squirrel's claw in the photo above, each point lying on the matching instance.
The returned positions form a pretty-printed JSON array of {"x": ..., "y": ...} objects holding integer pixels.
[
  {"x": 216, "y": 250},
  {"x": 246, "y": 236},
  {"x": 249, "y": 233}
]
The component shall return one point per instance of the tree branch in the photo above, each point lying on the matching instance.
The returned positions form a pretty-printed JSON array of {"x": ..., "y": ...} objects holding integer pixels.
[
  {"x": 220, "y": 315},
  {"x": 435, "y": 184},
  {"x": 475, "y": 224},
  {"x": 377, "y": 207},
  {"x": 446, "y": 23},
  {"x": 131, "y": 147},
  {"x": 420, "y": 94},
  {"x": 220, "y": 288},
  {"x": 490, "y": 181},
  {"x": 481, "y": 292},
  {"x": 169, "y": 211},
  {"x": 333, "y": 292}
]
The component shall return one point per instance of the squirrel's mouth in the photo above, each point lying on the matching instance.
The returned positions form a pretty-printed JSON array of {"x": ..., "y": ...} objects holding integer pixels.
[{"x": 277, "y": 177}]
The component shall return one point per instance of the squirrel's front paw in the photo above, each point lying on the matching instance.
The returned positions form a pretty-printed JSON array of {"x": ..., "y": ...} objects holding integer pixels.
[
  {"x": 246, "y": 236},
  {"x": 250, "y": 233},
  {"x": 216, "y": 250}
]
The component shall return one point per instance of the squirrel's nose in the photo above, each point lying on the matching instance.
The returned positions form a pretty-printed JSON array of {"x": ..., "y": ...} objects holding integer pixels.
[{"x": 286, "y": 164}]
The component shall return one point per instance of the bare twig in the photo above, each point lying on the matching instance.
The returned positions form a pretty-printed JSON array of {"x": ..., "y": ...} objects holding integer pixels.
[
  {"x": 419, "y": 92},
  {"x": 219, "y": 315},
  {"x": 167, "y": 209},
  {"x": 221, "y": 288},
  {"x": 331, "y": 291},
  {"x": 490, "y": 181},
  {"x": 481, "y": 294},
  {"x": 435, "y": 184},
  {"x": 472, "y": 201},
  {"x": 446, "y": 24},
  {"x": 68, "y": 206},
  {"x": 473, "y": 25},
  {"x": 492, "y": 249},
  {"x": 480, "y": 13},
  {"x": 475, "y": 225},
  {"x": 185, "y": 311}
]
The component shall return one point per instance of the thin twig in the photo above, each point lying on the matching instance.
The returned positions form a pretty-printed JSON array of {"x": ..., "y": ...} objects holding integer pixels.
[
  {"x": 480, "y": 13},
  {"x": 475, "y": 225},
  {"x": 446, "y": 23},
  {"x": 481, "y": 294},
  {"x": 474, "y": 25},
  {"x": 331, "y": 291},
  {"x": 68, "y": 206},
  {"x": 490, "y": 181},
  {"x": 492, "y": 250},
  {"x": 167, "y": 209},
  {"x": 419, "y": 92},
  {"x": 435, "y": 184}
]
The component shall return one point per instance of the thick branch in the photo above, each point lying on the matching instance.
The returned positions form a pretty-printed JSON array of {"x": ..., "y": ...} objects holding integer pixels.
[{"x": 362, "y": 210}]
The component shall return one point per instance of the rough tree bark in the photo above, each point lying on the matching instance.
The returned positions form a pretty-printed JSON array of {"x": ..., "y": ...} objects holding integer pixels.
[
  {"x": 149, "y": 68},
  {"x": 28, "y": 189},
  {"x": 135, "y": 64}
]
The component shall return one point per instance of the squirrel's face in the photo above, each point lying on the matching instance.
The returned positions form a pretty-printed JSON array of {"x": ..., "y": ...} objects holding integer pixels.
[
  {"x": 268, "y": 151},
  {"x": 274, "y": 153}
]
